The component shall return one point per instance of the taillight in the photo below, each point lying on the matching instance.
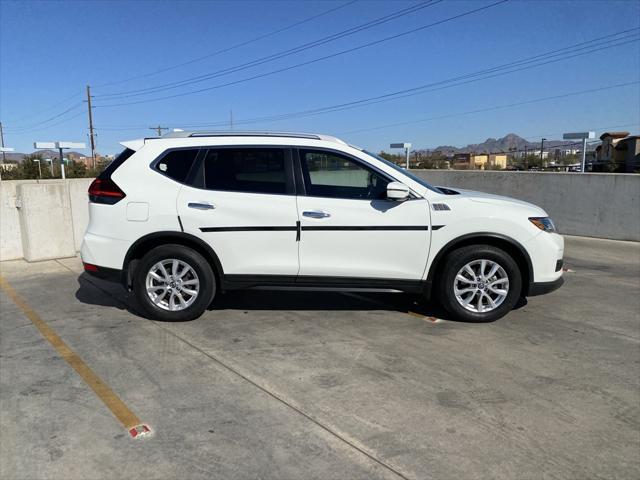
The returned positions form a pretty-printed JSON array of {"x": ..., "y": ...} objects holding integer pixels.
[
  {"x": 104, "y": 190},
  {"x": 89, "y": 267}
]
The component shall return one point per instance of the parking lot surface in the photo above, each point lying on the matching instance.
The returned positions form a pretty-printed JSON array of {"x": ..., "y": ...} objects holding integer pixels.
[{"x": 282, "y": 385}]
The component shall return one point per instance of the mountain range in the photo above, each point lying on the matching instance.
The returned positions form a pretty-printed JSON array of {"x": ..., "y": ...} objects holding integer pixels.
[{"x": 504, "y": 144}]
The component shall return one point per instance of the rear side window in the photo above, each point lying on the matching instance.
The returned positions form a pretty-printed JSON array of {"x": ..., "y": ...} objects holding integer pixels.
[
  {"x": 176, "y": 164},
  {"x": 251, "y": 170},
  {"x": 116, "y": 162}
]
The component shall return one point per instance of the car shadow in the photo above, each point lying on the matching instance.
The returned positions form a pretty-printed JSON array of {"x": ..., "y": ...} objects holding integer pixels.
[
  {"x": 93, "y": 291},
  {"x": 101, "y": 293}
]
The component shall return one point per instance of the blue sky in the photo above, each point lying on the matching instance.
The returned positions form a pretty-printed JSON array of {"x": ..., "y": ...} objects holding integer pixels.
[{"x": 49, "y": 52}]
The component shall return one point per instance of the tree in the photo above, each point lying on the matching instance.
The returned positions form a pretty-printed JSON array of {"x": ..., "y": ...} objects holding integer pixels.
[{"x": 76, "y": 169}]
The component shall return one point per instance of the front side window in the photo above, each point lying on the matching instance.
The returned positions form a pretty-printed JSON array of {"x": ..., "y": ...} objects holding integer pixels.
[
  {"x": 329, "y": 174},
  {"x": 251, "y": 170},
  {"x": 176, "y": 164},
  {"x": 404, "y": 171}
]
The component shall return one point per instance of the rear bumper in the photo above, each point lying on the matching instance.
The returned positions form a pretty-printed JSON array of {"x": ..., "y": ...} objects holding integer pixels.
[
  {"x": 540, "y": 288},
  {"x": 104, "y": 273}
]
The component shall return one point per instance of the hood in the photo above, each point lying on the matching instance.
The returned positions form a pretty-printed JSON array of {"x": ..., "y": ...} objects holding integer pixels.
[{"x": 491, "y": 199}]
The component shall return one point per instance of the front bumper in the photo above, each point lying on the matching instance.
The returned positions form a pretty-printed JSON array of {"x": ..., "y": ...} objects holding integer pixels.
[{"x": 540, "y": 288}]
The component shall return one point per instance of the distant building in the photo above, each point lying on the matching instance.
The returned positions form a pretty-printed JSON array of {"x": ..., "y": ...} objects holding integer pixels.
[
  {"x": 618, "y": 152},
  {"x": 481, "y": 161},
  {"x": 562, "y": 152},
  {"x": 536, "y": 153}
]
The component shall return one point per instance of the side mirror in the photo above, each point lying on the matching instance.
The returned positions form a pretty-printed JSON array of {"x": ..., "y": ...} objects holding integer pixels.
[{"x": 397, "y": 191}]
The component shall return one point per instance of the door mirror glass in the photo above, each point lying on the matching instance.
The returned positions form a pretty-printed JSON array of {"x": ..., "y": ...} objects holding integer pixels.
[{"x": 397, "y": 191}]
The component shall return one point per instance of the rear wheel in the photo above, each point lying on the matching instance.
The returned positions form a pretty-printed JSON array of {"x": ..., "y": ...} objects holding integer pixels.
[
  {"x": 479, "y": 283},
  {"x": 174, "y": 283}
]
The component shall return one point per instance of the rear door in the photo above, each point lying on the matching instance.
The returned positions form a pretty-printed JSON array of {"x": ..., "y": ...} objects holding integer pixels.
[
  {"x": 241, "y": 201},
  {"x": 350, "y": 229}
]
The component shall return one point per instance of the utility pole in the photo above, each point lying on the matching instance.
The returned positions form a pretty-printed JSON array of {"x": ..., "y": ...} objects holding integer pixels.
[
  {"x": 91, "y": 133},
  {"x": 2, "y": 143},
  {"x": 541, "y": 152},
  {"x": 159, "y": 129}
]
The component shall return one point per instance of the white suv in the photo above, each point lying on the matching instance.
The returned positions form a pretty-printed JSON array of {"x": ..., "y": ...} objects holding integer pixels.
[{"x": 181, "y": 218}]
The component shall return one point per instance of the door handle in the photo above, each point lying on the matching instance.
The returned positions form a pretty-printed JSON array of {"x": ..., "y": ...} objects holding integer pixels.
[
  {"x": 201, "y": 205},
  {"x": 315, "y": 214}
]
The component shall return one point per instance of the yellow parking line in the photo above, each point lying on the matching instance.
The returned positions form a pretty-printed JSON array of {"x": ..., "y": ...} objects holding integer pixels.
[{"x": 124, "y": 415}]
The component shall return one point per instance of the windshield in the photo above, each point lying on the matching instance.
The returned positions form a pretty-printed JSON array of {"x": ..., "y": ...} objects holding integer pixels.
[{"x": 404, "y": 171}]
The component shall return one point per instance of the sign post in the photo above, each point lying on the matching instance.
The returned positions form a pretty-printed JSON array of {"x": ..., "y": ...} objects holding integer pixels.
[
  {"x": 580, "y": 136},
  {"x": 60, "y": 146},
  {"x": 407, "y": 148}
]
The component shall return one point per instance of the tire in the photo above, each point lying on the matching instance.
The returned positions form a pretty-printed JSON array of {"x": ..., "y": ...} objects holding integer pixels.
[
  {"x": 172, "y": 296},
  {"x": 487, "y": 300}
]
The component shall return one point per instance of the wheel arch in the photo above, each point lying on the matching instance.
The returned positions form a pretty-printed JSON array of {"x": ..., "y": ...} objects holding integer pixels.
[
  {"x": 508, "y": 244},
  {"x": 152, "y": 240}
]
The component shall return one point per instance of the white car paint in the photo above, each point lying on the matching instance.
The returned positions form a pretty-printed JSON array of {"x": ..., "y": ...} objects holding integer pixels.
[{"x": 113, "y": 229}]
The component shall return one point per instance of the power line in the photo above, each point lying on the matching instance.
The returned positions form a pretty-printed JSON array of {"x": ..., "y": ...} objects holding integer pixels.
[
  {"x": 497, "y": 107},
  {"x": 274, "y": 56},
  {"x": 426, "y": 88},
  {"x": 233, "y": 47},
  {"x": 30, "y": 127},
  {"x": 533, "y": 61},
  {"x": 46, "y": 127},
  {"x": 47, "y": 109},
  {"x": 310, "y": 61}
]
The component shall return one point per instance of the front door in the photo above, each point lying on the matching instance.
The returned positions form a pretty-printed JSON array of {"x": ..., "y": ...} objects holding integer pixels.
[
  {"x": 242, "y": 203},
  {"x": 350, "y": 229}
]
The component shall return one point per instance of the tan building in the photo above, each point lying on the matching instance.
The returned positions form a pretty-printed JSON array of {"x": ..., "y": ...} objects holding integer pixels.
[
  {"x": 481, "y": 161},
  {"x": 619, "y": 151}
]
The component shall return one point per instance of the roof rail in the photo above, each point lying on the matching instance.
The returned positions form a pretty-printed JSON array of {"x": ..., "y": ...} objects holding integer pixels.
[{"x": 236, "y": 133}]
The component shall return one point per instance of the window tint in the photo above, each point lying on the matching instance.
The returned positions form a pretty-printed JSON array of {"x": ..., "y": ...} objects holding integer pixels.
[
  {"x": 116, "y": 162},
  {"x": 177, "y": 163},
  {"x": 253, "y": 170},
  {"x": 331, "y": 175}
]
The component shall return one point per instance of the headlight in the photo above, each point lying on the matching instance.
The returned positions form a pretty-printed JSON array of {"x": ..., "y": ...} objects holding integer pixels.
[{"x": 543, "y": 223}]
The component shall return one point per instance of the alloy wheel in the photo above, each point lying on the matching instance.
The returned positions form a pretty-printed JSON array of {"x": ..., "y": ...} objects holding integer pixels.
[
  {"x": 481, "y": 286},
  {"x": 172, "y": 284}
]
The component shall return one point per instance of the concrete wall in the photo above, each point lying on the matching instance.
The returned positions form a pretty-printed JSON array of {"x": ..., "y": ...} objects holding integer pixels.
[
  {"x": 53, "y": 214},
  {"x": 605, "y": 205},
  {"x": 42, "y": 219}
]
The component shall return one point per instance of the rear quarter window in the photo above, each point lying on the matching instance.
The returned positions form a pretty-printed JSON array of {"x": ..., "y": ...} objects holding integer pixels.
[{"x": 176, "y": 164}]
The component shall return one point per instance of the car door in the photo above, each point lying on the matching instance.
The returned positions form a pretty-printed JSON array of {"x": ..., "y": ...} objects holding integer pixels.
[
  {"x": 241, "y": 201},
  {"x": 350, "y": 229}
]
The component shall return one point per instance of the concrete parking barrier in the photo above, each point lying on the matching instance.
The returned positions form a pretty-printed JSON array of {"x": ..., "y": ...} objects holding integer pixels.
[
  {"x": 603, "y": 205},
  {"x": 53, "y": 214},
  {"x": 45, "y": 221},
  {"x": 42, "y": 219}
]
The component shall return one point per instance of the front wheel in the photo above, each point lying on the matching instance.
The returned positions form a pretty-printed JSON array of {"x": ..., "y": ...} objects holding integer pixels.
[
  {"x": 174, "y": 283},
  {"x": 479, "y": 283}
]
